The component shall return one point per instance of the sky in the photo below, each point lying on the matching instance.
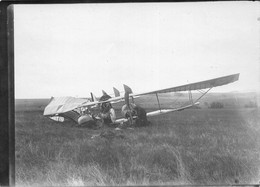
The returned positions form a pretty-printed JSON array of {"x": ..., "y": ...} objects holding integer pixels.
[{"x": 75, "y": 49}]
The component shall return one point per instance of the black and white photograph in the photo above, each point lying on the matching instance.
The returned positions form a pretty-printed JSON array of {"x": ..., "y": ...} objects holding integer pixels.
[{"x": 113, "y": 94}]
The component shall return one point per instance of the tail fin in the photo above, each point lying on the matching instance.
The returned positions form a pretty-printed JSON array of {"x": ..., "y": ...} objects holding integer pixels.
[
  {"x": 117, "y": 93},
  {"x": 127, "y": 89}
]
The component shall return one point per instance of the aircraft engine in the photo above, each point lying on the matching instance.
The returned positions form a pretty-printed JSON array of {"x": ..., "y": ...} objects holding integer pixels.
[{"x": 84, "y": 119}]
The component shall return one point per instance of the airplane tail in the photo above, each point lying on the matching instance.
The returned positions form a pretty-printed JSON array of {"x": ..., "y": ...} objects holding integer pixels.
[
  {"x": 127, "y": 89},
  {"x": 116, "y": 92}
]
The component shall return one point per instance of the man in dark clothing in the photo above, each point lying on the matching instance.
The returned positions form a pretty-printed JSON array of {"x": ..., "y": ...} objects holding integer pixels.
[
  {"x": 141, "y": 119},
  {"x": 104, "y": 97}
]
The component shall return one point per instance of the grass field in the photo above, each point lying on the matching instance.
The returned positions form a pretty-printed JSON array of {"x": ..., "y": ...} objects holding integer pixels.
[{"x": 195, "y": 146}]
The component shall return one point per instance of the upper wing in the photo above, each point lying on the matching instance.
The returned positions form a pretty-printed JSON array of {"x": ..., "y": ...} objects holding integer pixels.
[
  {"x": 193, "y": 86},
  {"x": 197, "y": 86}
]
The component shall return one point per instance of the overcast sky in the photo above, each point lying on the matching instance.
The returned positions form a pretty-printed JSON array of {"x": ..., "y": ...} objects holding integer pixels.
[{"x": 72, "y": 50}]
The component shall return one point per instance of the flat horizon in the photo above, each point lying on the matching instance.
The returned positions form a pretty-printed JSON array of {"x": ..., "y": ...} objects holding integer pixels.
[{"x": 230, "y": 92}]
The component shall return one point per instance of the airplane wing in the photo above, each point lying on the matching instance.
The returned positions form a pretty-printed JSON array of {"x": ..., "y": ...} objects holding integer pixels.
[
  {"x": 188, "y": 87},
  {"x": 63, "y": 108},
  {"x": 197, "y": 86},
  {"x": 208, "y": 84},
  {"x": 58, "y": 105},
  {"x": 165, "y": 111}
]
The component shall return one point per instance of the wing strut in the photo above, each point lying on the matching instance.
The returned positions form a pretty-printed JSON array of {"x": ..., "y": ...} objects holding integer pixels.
[
  {"x": 158, "y": 102},
  {"x": 190, "y": 97},
  {"x": 203, "y": 94},
  {"x": 133, "y": 101}
]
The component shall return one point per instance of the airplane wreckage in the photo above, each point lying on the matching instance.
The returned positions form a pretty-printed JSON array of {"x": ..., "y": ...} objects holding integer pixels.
[{"x": 79, "y": 110}]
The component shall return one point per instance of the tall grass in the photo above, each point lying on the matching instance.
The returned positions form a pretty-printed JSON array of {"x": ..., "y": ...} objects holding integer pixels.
[{"x": 189, "y": 147}]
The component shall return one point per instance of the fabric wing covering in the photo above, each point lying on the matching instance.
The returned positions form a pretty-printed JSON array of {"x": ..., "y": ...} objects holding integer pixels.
[
  {"x": 199, "y": 85},
  {"x": 61, "y": 105}
]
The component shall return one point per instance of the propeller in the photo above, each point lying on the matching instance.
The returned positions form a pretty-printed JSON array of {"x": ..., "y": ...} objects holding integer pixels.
[
  {"x": 116, "y": 92},
  {"x": 104, "y": 93},
  {"x": 128, "y": 106}
]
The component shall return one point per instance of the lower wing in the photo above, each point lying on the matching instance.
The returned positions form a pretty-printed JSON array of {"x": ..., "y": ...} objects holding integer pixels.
[
  {"x": 160, "y": 112},
  {"x": 165, "y": 111}
]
